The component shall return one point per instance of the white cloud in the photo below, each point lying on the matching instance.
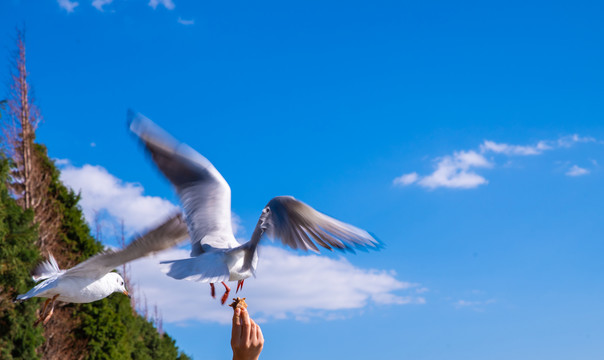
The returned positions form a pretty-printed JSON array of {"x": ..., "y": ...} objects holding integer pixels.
[
  {"x": 98, "y": 4},
  {"x": 570, "y": 140},
  {"x": 455, "y": 171},
  {"x": 102, "y": 191},
  {"x": 458, "y": 170},
  {"x": 168, "y": 4},
  {"x": 68, "y": 5},
  {"x": 288, "y": 286},
  {"x": 577, "y": 171},
  {"x": 507, "y": 149},
  {"x": 61, "y": 162},
  {"x": 406, "y": 179},
  {"x": 185, "y": 22}
]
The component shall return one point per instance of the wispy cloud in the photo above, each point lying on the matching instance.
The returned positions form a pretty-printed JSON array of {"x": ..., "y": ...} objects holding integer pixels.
[
  {"x": 577, "y": 171},
  {"x": 476, "y": 305},
  {"x": 406, "y": 179},
  {"x": 570, "y": 140},
  {"x": 459, "y": 170},
  {"x": 98, "y": 4},
  {"x": 68, "y": 5},
  {"x": 287, "y": 286},
  {"x": 507, "y": 149},
  {"x": 185, "y": 22},
  {"x": 168, "y": 4}
]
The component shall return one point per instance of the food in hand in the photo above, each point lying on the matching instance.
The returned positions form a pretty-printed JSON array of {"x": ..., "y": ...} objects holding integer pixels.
[{"x": 238, "y": 303}]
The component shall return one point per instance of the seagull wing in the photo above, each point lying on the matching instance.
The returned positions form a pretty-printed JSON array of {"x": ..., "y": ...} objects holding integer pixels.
[
  {"x": 203, "y": 192},
  {"x": 299, "y": 226},
  {"x": 168, "y": 234}
]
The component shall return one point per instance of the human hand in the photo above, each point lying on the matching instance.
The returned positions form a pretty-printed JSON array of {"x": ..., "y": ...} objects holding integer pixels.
[{"x": 246, "y": 338}]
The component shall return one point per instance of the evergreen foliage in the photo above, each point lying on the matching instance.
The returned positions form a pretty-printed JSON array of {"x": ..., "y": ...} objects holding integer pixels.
[
  {"x": 18, "y": 255},
  {"x": 113, "y": 332},
  {"x": 74, "y": 239},
  {"x": 110, "y": 329}
]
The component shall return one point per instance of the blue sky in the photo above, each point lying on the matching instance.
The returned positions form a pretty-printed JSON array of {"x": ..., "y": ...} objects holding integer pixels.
[{"x": 467, "y": 136}]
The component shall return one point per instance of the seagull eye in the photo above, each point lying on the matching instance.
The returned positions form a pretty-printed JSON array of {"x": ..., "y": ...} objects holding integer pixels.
[{"x": 122, "y": 283}]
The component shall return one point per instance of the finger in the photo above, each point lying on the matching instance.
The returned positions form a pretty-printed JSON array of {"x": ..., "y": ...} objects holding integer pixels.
[
  {"x": 259, "y": 335},
  {"x": 253, "y": 331},
  {"x": 236, "y": 332},
  {"x": 247, "y": 325}
]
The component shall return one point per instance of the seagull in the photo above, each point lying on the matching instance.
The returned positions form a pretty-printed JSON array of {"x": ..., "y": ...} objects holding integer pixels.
[
  {"x": 216, "y": 256},
  {"x": 92, "y": 280}
]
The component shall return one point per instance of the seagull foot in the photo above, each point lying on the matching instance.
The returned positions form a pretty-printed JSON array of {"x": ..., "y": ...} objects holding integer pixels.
[
  {"x": 239, "y": 286},
  {"x": 52, "y": 309},
  {"x": 226, "y": 293},
  {"x": 42, "y": 313},
  {"x": 47, "y": 318},
  {"x": 212, "y": 290}
]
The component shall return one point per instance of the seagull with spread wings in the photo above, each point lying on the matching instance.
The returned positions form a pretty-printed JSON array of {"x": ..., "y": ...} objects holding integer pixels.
[
  {"x": 216, "y": 256},
  {"x": 92, "y": 279}
]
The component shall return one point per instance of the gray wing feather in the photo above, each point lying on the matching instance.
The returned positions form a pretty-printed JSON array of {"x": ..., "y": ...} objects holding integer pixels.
[
  {"x": 204, "y": 193},
  {"x": 299, "y": 226},
  {"x": 170, "y": 233}
]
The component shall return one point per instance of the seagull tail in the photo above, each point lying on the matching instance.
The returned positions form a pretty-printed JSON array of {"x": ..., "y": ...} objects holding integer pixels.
[
  {"x": 21, "y": 297},
  {"x": 207, "y": 268},
  {"x": 46, "y": 269}
]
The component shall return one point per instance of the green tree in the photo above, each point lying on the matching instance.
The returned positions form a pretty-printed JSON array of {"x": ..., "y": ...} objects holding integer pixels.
[{"x": 18, "y": 255}]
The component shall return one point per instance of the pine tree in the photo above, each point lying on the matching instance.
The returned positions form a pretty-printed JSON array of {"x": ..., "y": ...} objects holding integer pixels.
[{"x": 18, "y": 254}]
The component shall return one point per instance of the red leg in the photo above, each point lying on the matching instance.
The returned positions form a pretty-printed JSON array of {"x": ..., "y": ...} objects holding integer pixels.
[
  {"x": 239, "y": 285},
  {"x": 52, "y": 309},
  {"x": 226, "y": 293},
  {"x": 212, "y": 290},
  {"x": 42, "y": 313}
]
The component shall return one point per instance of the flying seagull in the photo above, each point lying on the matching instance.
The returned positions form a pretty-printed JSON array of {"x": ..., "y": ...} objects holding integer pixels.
[
  {"x": 216, "y": 256},
  {"x": 91, "y": 280}
]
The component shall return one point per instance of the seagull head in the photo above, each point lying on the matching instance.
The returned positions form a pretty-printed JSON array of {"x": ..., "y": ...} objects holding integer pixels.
[{"x": 119, "y": 284}]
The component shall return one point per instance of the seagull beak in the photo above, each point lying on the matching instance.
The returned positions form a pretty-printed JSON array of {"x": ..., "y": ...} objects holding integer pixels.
[{"x": 126, "y": 293}]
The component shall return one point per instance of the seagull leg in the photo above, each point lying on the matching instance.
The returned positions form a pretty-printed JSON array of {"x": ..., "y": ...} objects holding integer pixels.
[
  {"x": 239, "y": 285},
  {"x": 42, "y": 313},
  {"x": 226, "y": 293},
  {"x": 52, "y": 309},
  {"x": 212, "y": 290}
]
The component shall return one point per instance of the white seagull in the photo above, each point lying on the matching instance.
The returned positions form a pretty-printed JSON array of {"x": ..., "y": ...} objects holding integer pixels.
[
  {"x": 216, "y": 256},
  {"x": 91, "y": 280}
]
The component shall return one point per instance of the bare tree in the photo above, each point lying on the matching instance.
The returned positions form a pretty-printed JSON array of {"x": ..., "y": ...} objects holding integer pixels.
[
  {"x": 20, "y": 127},
  {"x": 126, "y": 267},
  {"x": 2, "y": 107},
  {"x": 157, "y": 320},
  {"x": 160, "y": 324},
  {"x": 145, "y": 308},
  {"x": 98, "y": 226},
  {"x": 29, "y": 179}
]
